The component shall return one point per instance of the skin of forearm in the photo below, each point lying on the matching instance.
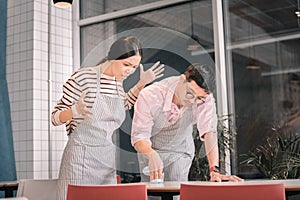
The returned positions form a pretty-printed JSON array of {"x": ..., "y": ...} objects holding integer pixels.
[
  {"x": 211, "y": 148},
  {"x": 65, "y": 115},
  {"x": 144, "y": 148}
]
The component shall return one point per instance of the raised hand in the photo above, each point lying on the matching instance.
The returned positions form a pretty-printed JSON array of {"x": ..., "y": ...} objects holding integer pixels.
[{"x": 152, "y": 73}]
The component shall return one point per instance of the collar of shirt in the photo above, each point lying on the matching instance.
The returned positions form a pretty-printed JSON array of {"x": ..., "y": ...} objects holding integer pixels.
[
  {"x": 112, "y": 78},
  {"x": 169, "y": 84},
  {"x": 101, "y": 67}
]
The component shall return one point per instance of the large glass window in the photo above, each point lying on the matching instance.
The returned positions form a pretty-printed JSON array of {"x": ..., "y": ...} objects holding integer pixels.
[
  {"x": 264, "y": 42},
  {"x": 262, "y": 39},
  {"x": 166, "y": 35}
]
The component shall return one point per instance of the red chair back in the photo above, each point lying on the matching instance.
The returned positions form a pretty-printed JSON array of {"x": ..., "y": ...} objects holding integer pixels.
[
  {"x": 118, "y": 179},
  {"x": 232, "y": 192},
  {"x": 107, "y": 192}
]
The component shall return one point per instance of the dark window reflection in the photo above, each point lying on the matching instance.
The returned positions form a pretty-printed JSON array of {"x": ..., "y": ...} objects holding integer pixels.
[{"x": 265, "y": 43}]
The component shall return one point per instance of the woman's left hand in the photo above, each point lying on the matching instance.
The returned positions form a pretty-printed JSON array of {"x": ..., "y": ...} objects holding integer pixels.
[{"x": 152, "y": 73}]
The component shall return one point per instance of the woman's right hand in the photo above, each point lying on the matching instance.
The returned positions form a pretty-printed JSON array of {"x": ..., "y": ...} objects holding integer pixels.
[
  {"x": 79, "y": 109},
  {"x": 153, "y": 73}
]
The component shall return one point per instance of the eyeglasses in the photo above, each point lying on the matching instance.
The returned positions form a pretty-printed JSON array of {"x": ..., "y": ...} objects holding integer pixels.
[{"x": 190, "y": 95}]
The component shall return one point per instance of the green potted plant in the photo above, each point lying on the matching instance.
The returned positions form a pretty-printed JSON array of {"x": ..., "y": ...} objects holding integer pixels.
[{"x": 278, "y": 157}]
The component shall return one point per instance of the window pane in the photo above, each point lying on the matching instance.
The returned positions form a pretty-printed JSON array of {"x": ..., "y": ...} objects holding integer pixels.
[
  {"x": 90, "y": 37},
  {"x": 265, "y": 18},
  {"x": 264, "y": 43},
  {"x": 175, "y": 18},
  {"x": 91, "y": 8}
]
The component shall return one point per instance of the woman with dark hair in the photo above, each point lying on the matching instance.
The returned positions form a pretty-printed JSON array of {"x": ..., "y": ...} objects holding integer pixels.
[{"x": 92, "y": 107}]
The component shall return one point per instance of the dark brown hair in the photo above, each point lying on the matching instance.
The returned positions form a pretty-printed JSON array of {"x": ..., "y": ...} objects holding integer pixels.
[
  {"x": 125, "y": 47},
  {"x": 202, "y": 75}
]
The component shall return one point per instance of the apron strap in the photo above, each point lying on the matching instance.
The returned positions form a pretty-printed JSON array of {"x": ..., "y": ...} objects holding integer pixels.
[{"x": 98, "y": 77}]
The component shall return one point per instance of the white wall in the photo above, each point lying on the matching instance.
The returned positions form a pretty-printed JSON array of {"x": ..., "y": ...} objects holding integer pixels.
[{"x": 37, "y": 155}]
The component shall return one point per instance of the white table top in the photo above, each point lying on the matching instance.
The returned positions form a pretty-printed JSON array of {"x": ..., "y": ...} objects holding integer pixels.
[{"x": 290, "y": 184}]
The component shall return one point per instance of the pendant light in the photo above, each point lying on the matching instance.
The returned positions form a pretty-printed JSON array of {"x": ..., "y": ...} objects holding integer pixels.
[
  {"x": 297, "y": 12},
  {"x": 62, "y": 3},
  {"x": 294, "y": 78},
  {"x": 193, "y": 42},
  {"x": 252, "y": 63}
]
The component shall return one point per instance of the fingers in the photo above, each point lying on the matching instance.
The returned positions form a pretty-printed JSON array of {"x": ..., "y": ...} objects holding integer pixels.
[
  {"x": 159, "y": 67},
  {"x": 217, "y": 177},
  {"x": 151, "y": 74},
  {"x": 232, "y": 178},
  {"x": 236, "y": 179},
  {"x": 155, "y": 175},
  {"x": 81, "y": 107},
  {"x": 82, "y": 96},
  {"x": 160, "y": 172},
  {"x": 80, "y": 101},
  {"x": 155, "y": 166},
  {"x": 86, "y": 112},
  {"x": 159, "y": 70},
  {"x": 155, "y": 65},
  {"x": 161, "y": 75},
  {"x": 156, "y": 69},
  {"x": 141, "y": 68}
]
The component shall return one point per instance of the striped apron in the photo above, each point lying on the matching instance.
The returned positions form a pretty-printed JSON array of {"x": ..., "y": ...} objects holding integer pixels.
[
  {"x": 175, "y": 145},
  {"x": 89, "y": 156}
]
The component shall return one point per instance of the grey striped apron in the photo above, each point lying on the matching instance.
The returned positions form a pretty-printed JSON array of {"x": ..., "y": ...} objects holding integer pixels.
[
  {"x": 175, "y": 145},
  {"x": 89, "y": 157}
]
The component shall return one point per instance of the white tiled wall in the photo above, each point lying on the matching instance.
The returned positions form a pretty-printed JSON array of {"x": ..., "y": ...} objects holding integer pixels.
[{"x": 38, "y": 145}]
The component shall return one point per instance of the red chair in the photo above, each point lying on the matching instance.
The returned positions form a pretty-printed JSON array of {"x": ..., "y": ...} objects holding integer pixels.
[
  {"x": 232, "y": 192},
  {"x": 107, "y": 192},
  {"x": 118, "y": 179}
]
